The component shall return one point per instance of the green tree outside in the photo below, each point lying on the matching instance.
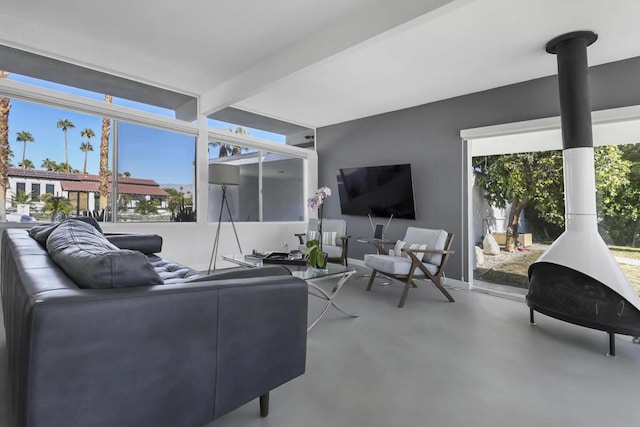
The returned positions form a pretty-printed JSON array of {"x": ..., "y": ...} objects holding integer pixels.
[
  {"x": 26, "y": 164},
  {"x": 49, "y": 164},
  {"x": 536, "y": 180},
  {"x": 226, "y": 150},
  {"x": 58, "y": 206},
  {"x": 21, "y": 198},
  {"x": 65, "y": 125},
  {"x": 147, "y": 207},
  {"x": 85, "y": 147},
  {"x": 24, "y": 137}
]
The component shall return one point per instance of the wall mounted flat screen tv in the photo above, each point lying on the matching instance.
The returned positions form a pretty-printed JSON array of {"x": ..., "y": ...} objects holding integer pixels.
[{"x": 379, "y": 191}]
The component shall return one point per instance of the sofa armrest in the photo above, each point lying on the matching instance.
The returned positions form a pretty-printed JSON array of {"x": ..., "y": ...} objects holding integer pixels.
[
  {"x": 145, "y": 243},
  {"x": 262, "y": 341}
]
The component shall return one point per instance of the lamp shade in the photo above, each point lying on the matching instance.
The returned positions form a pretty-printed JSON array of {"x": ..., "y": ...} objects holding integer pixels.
[{"x": 222, "y": 174}]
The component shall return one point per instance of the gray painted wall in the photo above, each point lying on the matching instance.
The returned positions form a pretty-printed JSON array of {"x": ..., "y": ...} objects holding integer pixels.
[{"x": 428, "y": 137}]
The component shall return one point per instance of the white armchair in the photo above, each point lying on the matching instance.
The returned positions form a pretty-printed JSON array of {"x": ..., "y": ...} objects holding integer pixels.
[
  {"x": 422, "y": 253},
  {"x": 335, "y": 241}
]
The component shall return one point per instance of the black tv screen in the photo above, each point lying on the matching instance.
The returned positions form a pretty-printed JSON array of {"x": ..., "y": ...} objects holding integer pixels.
[{"x": 379, "y": 191}]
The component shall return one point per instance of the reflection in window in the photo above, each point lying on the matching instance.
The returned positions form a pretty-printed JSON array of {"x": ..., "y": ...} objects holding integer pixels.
[
  {"x": 241, "y": 194},
  {"x": 282, "y": 188},
  {"x": 20, "y": 187},
  {"x": 278, "y": 177},
  {"x": 35, "y": 191},
  {"x": 156, "y": 174}
]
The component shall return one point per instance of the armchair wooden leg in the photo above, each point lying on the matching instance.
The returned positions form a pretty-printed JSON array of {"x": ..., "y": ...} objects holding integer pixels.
[
  {"x": 443, "y": 290},
  {"x": 373, "y": 276},
  {"x": 264, "y": 405},
  {"x": 405, "y": 292}
]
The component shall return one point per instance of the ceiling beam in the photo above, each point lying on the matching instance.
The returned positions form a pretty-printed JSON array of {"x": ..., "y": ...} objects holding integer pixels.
[{"x": 345, "y": 33}]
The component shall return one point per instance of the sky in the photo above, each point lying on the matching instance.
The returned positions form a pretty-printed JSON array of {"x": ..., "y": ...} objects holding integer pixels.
[{"x": 164, "y": 156}]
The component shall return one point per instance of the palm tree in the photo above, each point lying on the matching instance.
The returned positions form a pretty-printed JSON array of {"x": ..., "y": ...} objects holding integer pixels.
[
  {"x": 65, "y": 124},
  {"x": 49, "y": 164},
  {"x": 10, "y": 157},
  {"x": 85, "y": 147},
  {"x": 24, "y": 137},
  {"x": 64, "y": 167},
  {"x": 21, "y": 198},
  {"x": 26, "y": 164},
  {"x": 229, "y": 149},
  {"x": 127, "y": 174},
  {"x": 103, "y": 179},
  {"x": 5, "y": 106}
]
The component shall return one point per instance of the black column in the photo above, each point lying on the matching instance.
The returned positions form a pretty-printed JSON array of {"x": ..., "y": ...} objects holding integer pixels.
[{"x": 573, "y": 84}]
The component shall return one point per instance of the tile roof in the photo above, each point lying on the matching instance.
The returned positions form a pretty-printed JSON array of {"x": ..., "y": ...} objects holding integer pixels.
[
  {"x": 134, "y": 189},
  {"x": 89, "y": 182}
]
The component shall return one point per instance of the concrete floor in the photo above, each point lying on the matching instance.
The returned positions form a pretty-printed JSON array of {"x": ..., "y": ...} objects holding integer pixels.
[{"x": 476, "y": 362}]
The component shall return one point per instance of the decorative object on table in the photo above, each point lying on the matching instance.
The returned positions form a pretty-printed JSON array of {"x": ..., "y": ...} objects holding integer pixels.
[
  {"x": 283, "y": 258},
  {"x": 335, "y": 239},
  {"x": 224, "y": 175},
  {"x": 317, "y": 258},
  {"x": 317, "y": 202}
]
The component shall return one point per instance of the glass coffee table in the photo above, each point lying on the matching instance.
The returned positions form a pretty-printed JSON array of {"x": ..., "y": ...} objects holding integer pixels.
[{"x": 309, "y": 275}]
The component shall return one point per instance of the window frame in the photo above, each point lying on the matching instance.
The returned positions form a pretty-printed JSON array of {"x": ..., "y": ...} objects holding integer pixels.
[{"x": 199, "y": 129}]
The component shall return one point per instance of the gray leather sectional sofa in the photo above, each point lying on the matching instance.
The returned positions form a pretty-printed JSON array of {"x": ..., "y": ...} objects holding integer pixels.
[{"x": 179, "y": 352}]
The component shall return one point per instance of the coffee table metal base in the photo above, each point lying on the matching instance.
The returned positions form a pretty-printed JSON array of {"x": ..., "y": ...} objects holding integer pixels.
[
  {"x": 329, "y": 297},
  {"x": 310, "y": 276}
]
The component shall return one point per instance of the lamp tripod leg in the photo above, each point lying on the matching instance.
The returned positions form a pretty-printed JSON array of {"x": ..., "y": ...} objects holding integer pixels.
[
  {"x": 233, "y": 224},
  {"x": 216, "y": 240}
]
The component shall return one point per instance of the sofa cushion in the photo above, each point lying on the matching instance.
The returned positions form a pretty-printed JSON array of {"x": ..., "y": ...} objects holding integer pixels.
[
  {"x": 172, "y": 273},
  {"x": 42, "y": 231},
  {"x": 93, "y": 262},
  {"x": 399, "y": 265}
]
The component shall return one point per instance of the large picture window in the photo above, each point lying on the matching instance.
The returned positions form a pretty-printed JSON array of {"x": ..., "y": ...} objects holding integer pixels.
[
  {"x": 63, "y": 151},
  {"x": 156, "y": 170},
  {"x": 74, "y": 153}
]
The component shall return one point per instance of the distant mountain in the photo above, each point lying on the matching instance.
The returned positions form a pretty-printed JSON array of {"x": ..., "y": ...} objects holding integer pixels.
[{"x": 185, "y": 187}]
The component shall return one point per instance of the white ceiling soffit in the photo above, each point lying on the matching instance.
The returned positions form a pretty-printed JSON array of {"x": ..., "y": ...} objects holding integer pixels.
[
  {"x": 478, "y": 46},
  {"x": 318, "y": 63}
]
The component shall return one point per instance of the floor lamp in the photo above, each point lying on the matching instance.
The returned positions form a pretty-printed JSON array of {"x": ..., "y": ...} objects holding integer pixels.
[{"x": 224, "y": 175}]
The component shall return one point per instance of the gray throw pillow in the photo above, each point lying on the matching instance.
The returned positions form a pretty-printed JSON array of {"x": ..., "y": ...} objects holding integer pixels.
[
  {"x": 93, "y": 262},
  {"x": 42, "y": 232}
]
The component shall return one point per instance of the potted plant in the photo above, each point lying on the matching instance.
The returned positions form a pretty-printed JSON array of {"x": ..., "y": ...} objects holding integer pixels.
[{"x": 315, "y": 256}]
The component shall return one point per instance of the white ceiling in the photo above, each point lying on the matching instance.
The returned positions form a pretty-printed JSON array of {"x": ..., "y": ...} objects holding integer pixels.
[{"x": 317, "y": 63}]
